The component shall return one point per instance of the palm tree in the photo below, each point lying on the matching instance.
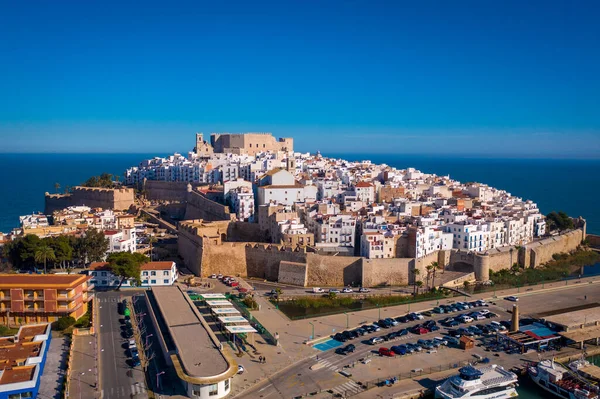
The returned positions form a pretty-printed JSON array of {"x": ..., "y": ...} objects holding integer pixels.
[
  {"x": 44, "y": 254},
  {"x": 415, "y": 273},
  {"x": 418, "y": 285},
  {"x": 434, "y": 267},
  {"x": 56, "y": 187},
  {"x": 429, "y": 272}
]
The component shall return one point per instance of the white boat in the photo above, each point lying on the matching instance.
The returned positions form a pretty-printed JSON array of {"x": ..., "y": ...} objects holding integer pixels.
[
  {"x": 486, "y": 382},
  {"x": 559, "y": 381}
]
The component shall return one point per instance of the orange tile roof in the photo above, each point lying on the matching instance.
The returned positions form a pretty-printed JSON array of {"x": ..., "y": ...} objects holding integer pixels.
[
  {"x": 99, "y": 266},
  {"x": 42, "y": 280}
]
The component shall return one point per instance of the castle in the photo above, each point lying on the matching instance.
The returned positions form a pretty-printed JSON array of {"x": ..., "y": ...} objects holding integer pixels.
[
  {"x": 94, "y": 197},
  {"x": 242, "y": 143}
]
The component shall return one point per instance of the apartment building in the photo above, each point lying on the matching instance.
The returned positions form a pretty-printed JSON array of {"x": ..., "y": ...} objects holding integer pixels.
[
  {"x": 365, "y": 192},
  {"x": 37, "y": 298},
  {"x": 242, "y": 203},
  {"x": 423, "y": 241},
  {"x": 23, "y": 358},
  {"x": 338, "y": 230},
  {"x": 121, "y": 240}
]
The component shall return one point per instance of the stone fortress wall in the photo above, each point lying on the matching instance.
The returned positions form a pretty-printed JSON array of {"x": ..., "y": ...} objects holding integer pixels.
[
  {"x": 223, "y": 247},
  {"x": 106, "y": 198},
  {"x": 201, "y": 207}
]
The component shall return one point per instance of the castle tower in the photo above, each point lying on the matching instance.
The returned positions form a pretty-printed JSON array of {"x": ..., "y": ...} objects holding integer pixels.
[{"x": 290, "y": 164}]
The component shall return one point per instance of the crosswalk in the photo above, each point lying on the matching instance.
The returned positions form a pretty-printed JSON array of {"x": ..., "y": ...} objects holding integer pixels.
[
  {"x": 347, "y": 389},
  {"x": 137, "y": 390},
  {"x": 327, "y": 364}
]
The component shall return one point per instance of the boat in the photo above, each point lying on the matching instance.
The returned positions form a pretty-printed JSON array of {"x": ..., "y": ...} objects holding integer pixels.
[
  {"x": 560, "y": 381},
  {"x": 487, "y": 382},
  {"x": 585, "y": 369}
]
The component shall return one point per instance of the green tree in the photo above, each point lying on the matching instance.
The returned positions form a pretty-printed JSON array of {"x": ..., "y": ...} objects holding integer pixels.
[
  {"x": 63, "y": 250},
  {"x": 151, "y": 241},
  {"x": 558, "y": 221},
  {"x": 21, "y": 252},
  {"x": 44, "y": 254},
  {"x": 418, "y": 285},
  {"x": 126, "y": 265},
  {"x": 331, "y": 295},
  {"x": 92, "y": 246},
  {"x": 436, "y": 266}
]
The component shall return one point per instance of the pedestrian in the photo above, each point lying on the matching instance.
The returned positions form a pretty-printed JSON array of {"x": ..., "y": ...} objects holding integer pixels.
[
  {"x": 260, "y": 359},
  {"x": 317, "y": 358},
  {"x": 585, "y": 297},
  {"x": 264, "y": 359}
]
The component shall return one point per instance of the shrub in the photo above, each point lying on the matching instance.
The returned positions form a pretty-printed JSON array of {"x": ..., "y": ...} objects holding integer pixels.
[{"x": 63, "y": 323}]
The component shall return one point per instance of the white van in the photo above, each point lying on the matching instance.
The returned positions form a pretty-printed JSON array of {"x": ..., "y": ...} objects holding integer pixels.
[
  {"x": 317, "y": 290},
  {"x": 497, "y": 324}
]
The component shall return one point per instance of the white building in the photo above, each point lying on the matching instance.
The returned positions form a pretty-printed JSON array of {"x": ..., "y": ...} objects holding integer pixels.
[
  {"x": 429, "y": 239},
  {"x": 121, "y": 240},
  {"x": 33, "y": 221},
  {"x": 337, "y": 230},
  {"x": 151, "y": 274},
  {"x": 365, "y": 192},
  {"x": 242, "y": 203}
]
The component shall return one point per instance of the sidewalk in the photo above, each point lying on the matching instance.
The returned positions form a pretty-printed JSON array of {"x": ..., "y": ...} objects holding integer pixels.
[{"x": 84, "y": 372}]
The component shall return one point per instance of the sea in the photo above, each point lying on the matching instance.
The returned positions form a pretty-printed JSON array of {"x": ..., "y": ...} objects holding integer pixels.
[{"x": 569, "y": 185}]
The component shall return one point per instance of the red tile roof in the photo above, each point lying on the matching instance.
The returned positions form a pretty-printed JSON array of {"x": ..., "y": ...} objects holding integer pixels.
[
  {"x": 157, "y": 266},
  {"x": 363, "y": 184},
  {"x": 99, "y": 266}
]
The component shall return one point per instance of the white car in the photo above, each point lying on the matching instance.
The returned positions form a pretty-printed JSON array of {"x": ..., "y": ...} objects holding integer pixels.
[
  {"x": 240, "y": 369},
  {"x": 375, "y": 340},
  {"x": 213, "y": 276},
  {"x": 418, "y": 315},
  {"x": 219, "y": 276},
  {"x": 132, "y": 344},
  {"x": 466, "y": 319},
  {"x": 361, "y": 289},
  {"x": 484, "y": 311},
  {"x": 347, "y": 290},
  {"x": 512, "y": 298},
  {"x": 479, "y": 317},
  {"x": 441, "y": 341}
]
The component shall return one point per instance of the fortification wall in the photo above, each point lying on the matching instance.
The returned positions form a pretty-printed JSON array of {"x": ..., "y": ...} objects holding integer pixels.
[
  {"x": 106, "y": 198},
  {"x": 333, "y": 270},
  {"x": 167, "y": 190},
  {"x": 593, "y": 240},
  {"x": 293, "y": 273},
  {"x": 542, "y": 251},
  {"x": 393, "y": 271},
  {"x": 246, "y": 232},
  {"x": 229, "y": 258},
  {"x": 190, "y": 248},
  {"x": 200, "y": 207}
]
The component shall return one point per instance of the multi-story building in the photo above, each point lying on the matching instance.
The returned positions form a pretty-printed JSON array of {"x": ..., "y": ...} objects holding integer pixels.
[
  {"x": 365, "y": 192},
  {"x": 151, "y": 274},
  {"x": 242, "y": 203},
  {"x": 22, "y": 361},
  {"x": 33, "y": 221},
  {"x": 426, "y": 240},
  {"x": 334, "y": 230},
  {"x": 293, "y": 233},
  {"x": 121, "y": 240},
  {"x": 377, "y": 245},
  {"x": 37, "y": 298}
]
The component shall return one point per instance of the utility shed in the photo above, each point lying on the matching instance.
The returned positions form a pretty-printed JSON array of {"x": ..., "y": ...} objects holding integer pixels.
[{"x": 466, "y": 342}]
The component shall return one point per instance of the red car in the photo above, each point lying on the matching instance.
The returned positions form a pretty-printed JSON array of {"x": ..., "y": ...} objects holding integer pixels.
[
  {"x": 386, "y": 352},
  {"x": 420, "y": 330},
  {"x": 234, "y": 284}
]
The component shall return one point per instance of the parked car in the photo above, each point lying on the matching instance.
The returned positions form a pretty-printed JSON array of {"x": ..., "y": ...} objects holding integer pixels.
[
  {"x": 386, "y": 352},
  {"x": 491, "y": 315},
  {"x": 361, "y": 331},
  {"x": 402, "y": 319},
  {"x": 318, "y": 290},
  {"x": 392, "y": 321},
  {"x": 451, "y": 340},
  {"x": 434, "y": 328},
  {"x": 375, "y": 341},
  {"x": 345, "y": 350},
  {"x": 133, "y": 353},
  {"x": 384, "y": 324},
  {"x": 419, "y": 330},
  {"x": 369, "y": 328},
  {"x": 219, "y": 276},
  {"x": 453, "y": 323},
  {"x": 418, "y": 316},
  {"x": 334, "y": 291},
  {"x": 441, "y": 341},
  {"x": 512, "y": 298},
  {"x": 340, "y": 337},
  {"x": 399, "y": 349},
  {"x": 464, "y": 331},
  {"x": 213, "y": 276},
  {"x": 347, "y": 290},
  {"x": 423, "y": 343},
  {"x": 417, "y": 347},
  {"x": 466, "y": 319},
  {"x": 376, "y": 327},
  {"x": 403, "y": 332},
  {"x": 391, "y": 336},
  {"x": 484, "y": 312},
  {"x": 135, "y": 362},
  {"x": 409, "y": 348},
  {"x": 363, "y": 290},
  {"x": 475, "y": 330},
  {"x": 438, "y": 309},
  {"x": 240, "y": 369}
]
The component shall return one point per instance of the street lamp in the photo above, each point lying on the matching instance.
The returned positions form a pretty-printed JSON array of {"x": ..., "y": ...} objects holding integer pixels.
[
  {"x": 347, "y": 319},
  {"x": 313, "y": 330},
  {"x": 379, "y": 307},
  {"x": 158, "y": 380},
  {"x": 148, "y": 336}
]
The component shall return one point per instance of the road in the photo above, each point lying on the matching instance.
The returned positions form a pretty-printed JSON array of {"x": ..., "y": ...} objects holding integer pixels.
[{"x": 118, "y": 379}]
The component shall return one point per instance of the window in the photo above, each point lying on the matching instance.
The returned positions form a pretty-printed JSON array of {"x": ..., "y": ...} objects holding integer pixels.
[
  {"x": 144, "y": 273},
  {"x": 166, "y": 273},
  {"x": 93, "y": 273},
  {"x": 226, "y": 385},
  {"x": 213, "y": 390},
  {"x": 152, "y": 281},
  {"x": 103, "y": 282},
  {"x": 166, "y": 281},
  {"x": 153, "y": 273},
  {"x": 144, "y": 281},
  {"x": 103, "y": 274}
]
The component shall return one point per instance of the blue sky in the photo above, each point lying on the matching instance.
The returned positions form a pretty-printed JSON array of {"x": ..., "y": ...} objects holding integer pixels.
[{"x": 516, "y": 78}]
